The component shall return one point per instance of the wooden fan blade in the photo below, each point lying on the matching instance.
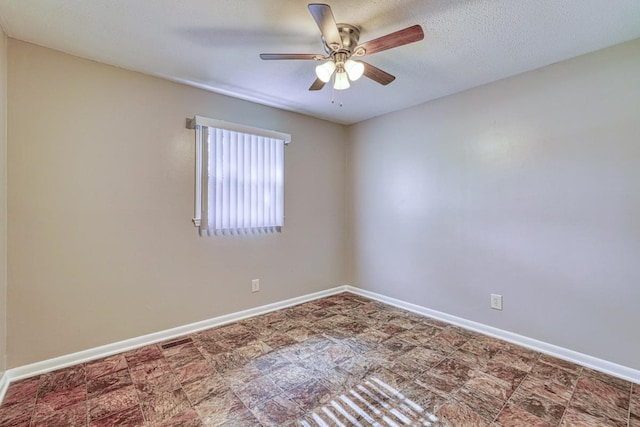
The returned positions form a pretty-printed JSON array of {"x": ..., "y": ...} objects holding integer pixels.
[
  {"x": 399, "y": 38},
  {"x": 317, "y": 85},
  {"x": 323, "y": 16},
  {"x": 377, "y": 75},
  {"x": 271, "y": 56}
]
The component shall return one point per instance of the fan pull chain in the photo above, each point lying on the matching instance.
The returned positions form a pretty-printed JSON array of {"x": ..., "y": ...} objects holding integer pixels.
[{"x": 333, "y": 98}]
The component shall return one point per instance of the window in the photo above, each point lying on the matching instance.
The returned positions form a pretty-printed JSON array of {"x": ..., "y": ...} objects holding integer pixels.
[{"x": 239, "y": 178}]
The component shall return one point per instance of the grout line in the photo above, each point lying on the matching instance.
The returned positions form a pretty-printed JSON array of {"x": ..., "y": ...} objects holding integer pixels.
[
  {"x": 580, "y": 373},
  {"x": 177, "y": 343},
  {"x": 537, "y": 360},
  {"x": 86, "y": 394},
  {"x": 137, "y": 391},
  {"x": 629, "y": 411},
  {"x": 35, "y": 402}
]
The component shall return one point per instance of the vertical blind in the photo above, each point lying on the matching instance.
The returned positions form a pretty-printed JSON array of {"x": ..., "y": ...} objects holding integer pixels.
[{"x": 241, "y": 178}]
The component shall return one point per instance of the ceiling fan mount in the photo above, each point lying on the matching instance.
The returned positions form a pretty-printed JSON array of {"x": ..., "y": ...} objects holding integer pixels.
[{"x": 341, "y": 43}]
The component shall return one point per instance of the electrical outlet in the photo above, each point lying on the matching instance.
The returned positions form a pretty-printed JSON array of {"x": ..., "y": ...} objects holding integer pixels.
[
  {"x": 255, "y": 285},
  {"x": 496, "y": 301}
]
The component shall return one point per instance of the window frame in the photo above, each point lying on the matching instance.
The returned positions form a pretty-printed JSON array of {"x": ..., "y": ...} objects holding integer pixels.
[{"x": 198, "y": 123}]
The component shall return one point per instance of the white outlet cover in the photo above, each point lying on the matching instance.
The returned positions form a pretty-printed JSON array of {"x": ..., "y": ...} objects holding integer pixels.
[{"x": 496, "y": 301}]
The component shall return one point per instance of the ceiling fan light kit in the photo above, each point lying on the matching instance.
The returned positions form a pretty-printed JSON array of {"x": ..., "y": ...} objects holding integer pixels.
[
  {"x": 345, "y": 71},
  {"x": 341, "y": 81},
  {"x": 340, "y": 42},
  {"x": 354, "y": 69},
  {"x": 325, "y": 71}
]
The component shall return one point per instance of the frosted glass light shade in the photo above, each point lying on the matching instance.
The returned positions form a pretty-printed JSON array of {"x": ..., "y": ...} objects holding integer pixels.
[
  {"x": 342, "y": 81},
  {"x": 325, "y": 71},
  {"x": 354, "y": 69}
]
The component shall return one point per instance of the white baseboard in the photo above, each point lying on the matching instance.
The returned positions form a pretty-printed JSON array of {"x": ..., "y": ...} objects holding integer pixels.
[
  {"x": 26, "y": 371},
  {"x": 15, "y": 374},
  {"x": 601, "y": 365},
  {"x": 4, "y": 385}
]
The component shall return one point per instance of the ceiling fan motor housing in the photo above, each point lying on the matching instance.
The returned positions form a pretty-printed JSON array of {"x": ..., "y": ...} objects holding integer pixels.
[{"x": 349, "y": 34}]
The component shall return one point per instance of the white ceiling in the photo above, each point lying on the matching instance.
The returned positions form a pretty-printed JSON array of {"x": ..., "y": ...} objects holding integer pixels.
[{"x": 214, "y": 44}]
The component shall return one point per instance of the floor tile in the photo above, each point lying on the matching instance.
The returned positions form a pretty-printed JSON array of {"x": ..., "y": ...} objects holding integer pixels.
[
  {"x": 63, "y": 379},
  {"x": 516, "y": 361},
  {"x": 105, "y": 366},
  {"x": 254, "y": 349},
  {"x": 506, "y": 373},
  {"x": 444, "y": 386},
  {"x": 373, "y": 336},
  {"x": 227, "y": 360},
  {"x": 600, "y": 399},
  {"x": 188, "y": 418},
  {"x": 486, "y": 405},
  {"x": 143, "y": 355},
  {"x": 257, "y": 391},
  {"x": 220, "y": 408},
  {"x": 204, "y": 388},
  {"x": 57, "y": 400},
  {"x": 164, "y": 406},
  {"x": 16, "y": 415},
  {"x": 454, "y": 414},
  {"x": 278, "y": 411},
  {"x": 110, "y": 403},
  {"x": 279, "y": 340},
  {"x": 562, "y": 364},
  {"x": 182, "y": 355},
  {"x": 546, "y": 388},
  {"x": 129, "y": 417},
  {"x": 452, "y": 338},
  {"x": 157, "y": 384},
  {"x": 576, "y": 418},
  {"x": 241, "y": 375},
  {"x": 338, "y": 380},
  {"x": 545, "y": 409},
  {"x": 550, "y": 372},
  {"x": 194, "y": 370},
  {"x": 69, "y": 416},
  {"x": 108, "y": 382},
  {"x": 634, "y": 405},
  {"x": 398, "y": 346},
  {"x": 340, "y": 360},
  {"x": 290, "y": 376},
  {"x": 515, "y": 416},
  {"x": 622, "y": 385},
  {"x": 242, "y": 419},
  {"x": 21, "y": 392},
  {"x": 309, "y": 394},
  {"x": 484, "y": 394},
  {"x": 212, "y": 347},
  {"x": 148, "y": 370},
  {"x": 418, "y": 398}
]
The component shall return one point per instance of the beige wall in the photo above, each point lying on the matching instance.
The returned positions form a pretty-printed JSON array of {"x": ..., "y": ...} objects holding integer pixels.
[
  {"x": 3, "y": 198},
  {"x": 528, "y": 187},
  {"x": 100, "y": 242}
]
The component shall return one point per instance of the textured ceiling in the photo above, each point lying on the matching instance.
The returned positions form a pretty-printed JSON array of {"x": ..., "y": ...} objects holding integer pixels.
[{"x": 214, "y": 44}]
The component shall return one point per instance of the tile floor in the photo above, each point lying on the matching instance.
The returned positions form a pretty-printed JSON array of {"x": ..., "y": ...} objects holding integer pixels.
[{"x": 339, "y": 361}]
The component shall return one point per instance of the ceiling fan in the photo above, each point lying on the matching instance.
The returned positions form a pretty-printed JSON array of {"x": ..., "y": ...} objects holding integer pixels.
[{"x": 340, "y": 43}]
